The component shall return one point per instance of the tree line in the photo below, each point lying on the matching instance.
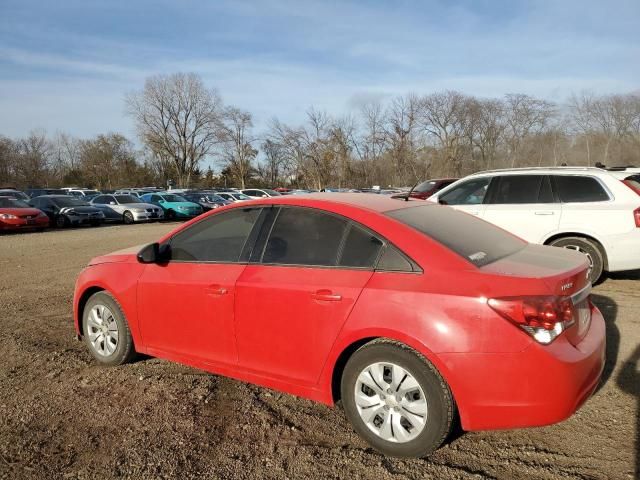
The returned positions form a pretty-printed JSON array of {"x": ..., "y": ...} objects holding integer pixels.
[{"x": 182, "y": 126}]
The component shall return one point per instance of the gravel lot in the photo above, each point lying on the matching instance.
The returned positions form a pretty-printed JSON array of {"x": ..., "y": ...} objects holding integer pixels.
[{"x": 61, "y": 416}]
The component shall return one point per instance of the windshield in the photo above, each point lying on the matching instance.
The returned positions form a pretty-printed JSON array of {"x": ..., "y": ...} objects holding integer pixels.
[
  {"x": 69, "y": 202},
  {"x": 127, "y": 199},
  {"x": 479, "y": 242},
  {"x": 91, "y": 192},
  {"x": 425, "y": 186},
  {"x": 15, "y": 194},
  {"x": 173, "y": 198},
  {"x": 10, "y": 202}
]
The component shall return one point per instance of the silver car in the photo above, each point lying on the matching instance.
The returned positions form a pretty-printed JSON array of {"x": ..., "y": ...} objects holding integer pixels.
[{"x": 126, "y": 208}]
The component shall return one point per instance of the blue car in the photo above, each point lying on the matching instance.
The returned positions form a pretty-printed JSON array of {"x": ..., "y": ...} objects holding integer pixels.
[{"x": 174, "y": 206}]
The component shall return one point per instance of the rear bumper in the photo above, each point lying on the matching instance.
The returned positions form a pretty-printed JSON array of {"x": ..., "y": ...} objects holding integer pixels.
[
  {"x": 623, "y": 251},
  {"x": 539, "y": 386}
]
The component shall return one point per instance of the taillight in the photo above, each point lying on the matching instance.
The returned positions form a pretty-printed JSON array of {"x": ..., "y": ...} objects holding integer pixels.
[
  {"x": 542, "y": 317},
  {"x": 636, "y": 216}
]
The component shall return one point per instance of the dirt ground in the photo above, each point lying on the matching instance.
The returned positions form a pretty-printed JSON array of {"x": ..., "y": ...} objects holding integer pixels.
[{"x": 62, "y": 416}]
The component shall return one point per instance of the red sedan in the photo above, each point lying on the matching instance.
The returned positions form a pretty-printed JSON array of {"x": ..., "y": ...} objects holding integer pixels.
[
  {"x": 409, "y": 313},
  {"x": 18, "y": 215}
]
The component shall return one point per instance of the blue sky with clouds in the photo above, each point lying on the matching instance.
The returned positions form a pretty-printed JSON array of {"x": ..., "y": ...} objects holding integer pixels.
[{"x": 65, "y": 65}]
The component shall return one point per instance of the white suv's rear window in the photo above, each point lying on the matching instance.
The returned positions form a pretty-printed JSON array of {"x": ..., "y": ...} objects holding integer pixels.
[{"x": 479, "y": 242}]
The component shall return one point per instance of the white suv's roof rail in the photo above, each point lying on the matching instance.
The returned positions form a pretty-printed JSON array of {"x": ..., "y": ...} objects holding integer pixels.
[{"x": 524, "y": 169}]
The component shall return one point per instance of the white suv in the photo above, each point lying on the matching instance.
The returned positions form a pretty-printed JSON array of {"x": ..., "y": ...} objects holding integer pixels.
[{"x": 585, "y": 209}]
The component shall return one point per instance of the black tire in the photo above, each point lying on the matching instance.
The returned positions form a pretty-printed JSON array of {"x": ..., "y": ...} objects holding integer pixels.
[
  {"x": 171, "y": 215},
  {"x": 589, "y": 248},
  {"x": 62, "y": 221},
  {"x": 127, "y": 218},
  {"x": 441, "y": 406},
  {"x": 124, "y": 350}
]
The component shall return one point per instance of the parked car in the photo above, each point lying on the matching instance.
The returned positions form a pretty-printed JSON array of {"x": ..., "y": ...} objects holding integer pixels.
[
  {"x": 233, "y": 196},
  {"x": 174, "y": 206},
  {"x": 36, "y": 192},
  {"x": 126, "y": 208},
  {"x": 584, "y": 209},
  {"x": 65, "y": 210},
  {"x": 12, "y": 192},
  {"x": 207, "y": 200},
  {"x": 630, "y": 176},
  {"x": 83, "y": 193},
  {"x": 16, "y": 214},
  {"x": 427, "y": 188},
  {"x": 259, "y": 192},
  {"x": 410, "y": 313}
]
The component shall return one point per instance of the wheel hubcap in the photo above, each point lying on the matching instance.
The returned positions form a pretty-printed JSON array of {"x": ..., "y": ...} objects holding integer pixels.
[
  {"x": 391, "y": 402},
  {"x": 102, "y": 330}
]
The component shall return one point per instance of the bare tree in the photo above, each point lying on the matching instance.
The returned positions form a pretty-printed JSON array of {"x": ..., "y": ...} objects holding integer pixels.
[
  {"x": 177, "y": 118},
  {"x": 238, "y": 153}
]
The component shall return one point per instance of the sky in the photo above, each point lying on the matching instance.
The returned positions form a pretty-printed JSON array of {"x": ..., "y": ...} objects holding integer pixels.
[{"x": 66, "y": 65}]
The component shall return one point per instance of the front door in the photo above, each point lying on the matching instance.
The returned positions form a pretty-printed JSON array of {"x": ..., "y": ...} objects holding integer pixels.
[{"x": 186, "y": 305}]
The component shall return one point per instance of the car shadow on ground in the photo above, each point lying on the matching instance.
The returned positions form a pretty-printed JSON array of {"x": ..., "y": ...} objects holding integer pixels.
[
  {"x": 628, "y": 381},
  {"x": 609, "y": 309},
  {"x": 625, "y": 275}
]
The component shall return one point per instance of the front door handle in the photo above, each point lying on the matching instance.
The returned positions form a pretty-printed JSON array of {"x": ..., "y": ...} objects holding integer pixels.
[
  {"x": 326, "y": 296},
  {"x": 544, "y": 212},
  {"x": 215, "y": 290}
]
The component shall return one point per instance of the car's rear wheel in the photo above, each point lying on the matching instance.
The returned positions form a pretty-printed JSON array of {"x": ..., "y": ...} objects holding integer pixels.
[
  {"x": 106, "y": 331},
  {"x": 127, "y": 217},
  {"x": 61, "y": 221},
  {"x": 589, "y": 249},
  {"x": 396, "y": 399},
  {"x": 171, "y": 215}
]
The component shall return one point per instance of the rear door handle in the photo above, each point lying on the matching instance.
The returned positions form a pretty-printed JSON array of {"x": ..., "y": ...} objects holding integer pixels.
[
  {"x": 326, "y": 296},
  {"x": 215, "y": 290},
  {"x": 544, "y": 212}
]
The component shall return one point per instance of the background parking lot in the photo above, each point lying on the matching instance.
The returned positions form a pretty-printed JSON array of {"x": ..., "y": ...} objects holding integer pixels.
[{"x": 63, "y": 416}]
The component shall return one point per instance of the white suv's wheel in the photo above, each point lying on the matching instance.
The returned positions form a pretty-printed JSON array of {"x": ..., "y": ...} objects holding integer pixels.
[{"x": 589, "y": 249}]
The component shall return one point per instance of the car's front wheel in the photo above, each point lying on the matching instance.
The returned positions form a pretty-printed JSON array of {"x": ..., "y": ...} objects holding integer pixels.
[
  {"x": 106, "y": 331},
  {"x": 396, "y": 399},
  {"x": 61, "y": 221}
]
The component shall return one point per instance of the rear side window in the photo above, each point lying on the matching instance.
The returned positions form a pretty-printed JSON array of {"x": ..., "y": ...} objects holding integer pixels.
[
  {"x": 479, "y": 242},
  {"x": 575, "y": 188},
  {"x": 219, "y": 238},
  {"x": 518, "y": 189},
  {"x": 302, "y": 236},
  {"x": 361, "y": 249},
  {"x": 394, "y": 261},
  {"x": 471, "y": 192}
]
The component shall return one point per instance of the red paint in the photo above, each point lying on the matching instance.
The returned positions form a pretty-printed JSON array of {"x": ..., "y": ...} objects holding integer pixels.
[{"x": 285, "y": 327}]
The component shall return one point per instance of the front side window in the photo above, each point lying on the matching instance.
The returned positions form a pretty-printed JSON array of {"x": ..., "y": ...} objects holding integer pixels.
[
  {"x": 576, "y": 188},
  {"x": 518, "y": 189},
  {"x": 302, "y": 236},
  {"x": 471, "y": 192},
  {"x": 219, "y": 238}
]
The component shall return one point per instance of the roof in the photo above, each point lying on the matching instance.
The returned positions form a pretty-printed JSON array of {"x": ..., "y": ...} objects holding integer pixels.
[{"x": 369, "y": 201}]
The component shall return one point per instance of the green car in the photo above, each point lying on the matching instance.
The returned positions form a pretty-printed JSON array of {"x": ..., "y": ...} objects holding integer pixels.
[{"x": 174, "y": 206}]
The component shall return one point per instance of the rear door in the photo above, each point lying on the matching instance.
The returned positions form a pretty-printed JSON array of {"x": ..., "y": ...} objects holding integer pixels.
[
  {"x": 523, "y": 205},
  {"x": 292, "y": 303}
]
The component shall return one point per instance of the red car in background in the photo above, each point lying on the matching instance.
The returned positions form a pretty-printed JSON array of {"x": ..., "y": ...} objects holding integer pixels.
[
  {"x": 427, "y": 188},
  {"x": 410, "y": 313},
  {"x": 18, "y": 215}
]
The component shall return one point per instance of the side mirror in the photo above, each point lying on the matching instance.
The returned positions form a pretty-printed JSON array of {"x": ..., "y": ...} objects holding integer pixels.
[
  {"x": 112, "y": 203},
  {"x": 155, "y": 253}
]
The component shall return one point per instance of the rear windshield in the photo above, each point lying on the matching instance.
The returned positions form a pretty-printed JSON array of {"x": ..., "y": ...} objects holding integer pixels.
[
  {"x": 479, "y": 242},
  {"x": 425, "y": 186}
]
